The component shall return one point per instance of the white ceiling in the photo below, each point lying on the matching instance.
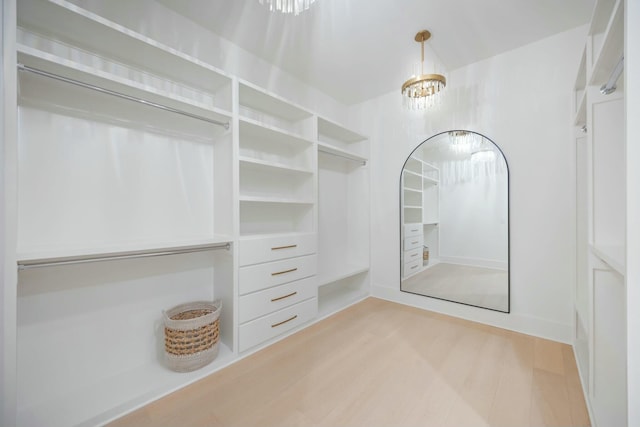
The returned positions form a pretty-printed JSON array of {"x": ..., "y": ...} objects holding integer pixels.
[{"x": 354, "y": 50}]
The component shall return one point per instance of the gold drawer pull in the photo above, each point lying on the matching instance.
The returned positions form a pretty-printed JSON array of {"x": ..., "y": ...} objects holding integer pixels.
[
  {"x": 277, "y": 248},
  {"x": 414, "y": 267},
  {"x": 283, "y": 297},
  {"x": 285, "y": 271},
  {"x": 413, "y": 243},
  {"x": 284, "y": 321}
]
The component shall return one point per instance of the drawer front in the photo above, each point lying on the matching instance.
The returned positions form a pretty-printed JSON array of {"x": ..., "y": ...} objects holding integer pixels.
[
  {"x": 411, "y": 230},
  {"x": 411, "y": 267},
  {"x": 273, "y": 299},
  {"x": 266, "y": 249},
  {"x": 262, "y": 276},
  {"x": 412, "y": 243},
  {"x": 412, "y": 255},
  {"x": 260, "y": 330}
]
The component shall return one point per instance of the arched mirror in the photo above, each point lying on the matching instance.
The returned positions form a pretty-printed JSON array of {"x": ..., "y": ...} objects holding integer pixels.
[{"x": 454, "y": 221}]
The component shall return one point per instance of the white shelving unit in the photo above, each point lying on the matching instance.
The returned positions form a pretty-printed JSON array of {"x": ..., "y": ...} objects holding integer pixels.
[
  {"x": 420, "y": 215},
  {"x": 343, "y": 227},
  {"x": 207, "y": 189},
  {"x": 600, "y": 296},
  {"x": 102, "y": 245}
]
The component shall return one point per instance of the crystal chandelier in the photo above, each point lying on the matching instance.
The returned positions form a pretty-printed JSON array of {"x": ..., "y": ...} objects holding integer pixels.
[
  {"x": 288, "y": 6},
  {"x": 423, "y": 91}
]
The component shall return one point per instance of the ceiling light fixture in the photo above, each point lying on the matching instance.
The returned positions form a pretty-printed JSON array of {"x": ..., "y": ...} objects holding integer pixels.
[
  {"x": 288, "y": 6},
  {"x": 423, "y": 91}
]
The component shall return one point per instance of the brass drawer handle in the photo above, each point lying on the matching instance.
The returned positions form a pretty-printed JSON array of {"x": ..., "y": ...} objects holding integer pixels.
[
  {"x": 277, "y": 248},
  {"x": 285, "y": 271},
  {"x": 283, "y": 297},
  {"x": 284, "y": 321},
  {"x": 414, "y": 267}
]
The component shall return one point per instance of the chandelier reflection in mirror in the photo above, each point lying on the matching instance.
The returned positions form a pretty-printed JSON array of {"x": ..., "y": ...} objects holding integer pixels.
[
  {"x": 288, "y": 6},
  {"x": 424, "y": 90}
]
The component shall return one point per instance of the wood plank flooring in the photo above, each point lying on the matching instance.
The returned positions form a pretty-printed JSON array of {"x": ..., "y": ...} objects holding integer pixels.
[{"x": 378, "y": 363}]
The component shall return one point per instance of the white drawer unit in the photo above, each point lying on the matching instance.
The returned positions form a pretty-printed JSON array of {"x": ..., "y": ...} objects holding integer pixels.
[
  {"x": 264, "y": 328},
  {"x": 262, "y": 276},
  {"x": 413, "y": 243},
  {"x": 411, "y": 230},
  {"x": 264, "y": 302},
  {"x": 255, "y": 250},
  {"x": 412, "y": 267},
  {"x": 412, "y": 255}
]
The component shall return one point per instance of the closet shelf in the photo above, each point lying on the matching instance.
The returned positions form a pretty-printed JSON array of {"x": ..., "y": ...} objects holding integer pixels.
[
  {"x": 98, "y": 404},
  {"x": 412, "y": 190},
  {"x": 335, "y": 273},
  {"x": 412, "y": 207},
  {"x": 80, "y": 254},
  {"x": 53, "y": 64},
  {"x": 258, "y": 99},
  {"x": 108, "y": 39},
  {"x": 275, "y": 199},
  {"x": 431, "y": 223},
  {"x": 613, "y": 255},
  {"x": 612, "y": 47},
  {"x": 430, "y": 180},
  {"x": 337, "y": 132},
  {"x": 330, "y": 149},
  {"x": 270, "y": 166},
  {"x": 254, "y": 128}
]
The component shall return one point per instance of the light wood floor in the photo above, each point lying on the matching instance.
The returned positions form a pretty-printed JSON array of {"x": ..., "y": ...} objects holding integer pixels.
[{"x": 384, "y": 364}]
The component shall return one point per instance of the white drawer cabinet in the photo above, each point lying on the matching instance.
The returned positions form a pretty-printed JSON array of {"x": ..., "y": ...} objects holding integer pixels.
[
  {"x": 264, "y": 328},
  {"x": 411, "y": 230},
  {"x": 262, "y": 276},
  {"x": 264, "y": 302},
  {"x": 411, "y": 267},
  {"x": 412, "y": 255},
  {"x": 255, "y": 250},
  {"x": 412, "y": 243}
]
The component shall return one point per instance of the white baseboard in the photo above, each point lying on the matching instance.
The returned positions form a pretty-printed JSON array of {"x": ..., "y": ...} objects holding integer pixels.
[
  {"x": 587, "y": 400},
  {"x": 476, "y": 262},
  {"x": 529, "y": 325}
]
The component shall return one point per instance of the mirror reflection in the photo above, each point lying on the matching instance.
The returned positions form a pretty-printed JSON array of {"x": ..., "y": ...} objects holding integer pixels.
[{"x": 454, "y": 191}]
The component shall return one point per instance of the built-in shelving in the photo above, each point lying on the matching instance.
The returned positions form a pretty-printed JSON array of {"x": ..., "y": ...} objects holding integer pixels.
[
  {"x": 600, "y": 142},
  {"x": 343, "y": 212}
]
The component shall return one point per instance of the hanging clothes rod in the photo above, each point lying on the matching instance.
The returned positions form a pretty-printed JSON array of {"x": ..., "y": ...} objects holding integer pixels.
[
  {"x": 23, "y": 67},
  {"x": 25, "y": 265},
  {"x": 364, "y": 162},
  {"x": 610, "y": 86}
]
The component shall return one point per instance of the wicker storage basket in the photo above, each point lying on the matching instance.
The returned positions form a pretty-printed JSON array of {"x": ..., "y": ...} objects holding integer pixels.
[{"x": 191, "y": 335}]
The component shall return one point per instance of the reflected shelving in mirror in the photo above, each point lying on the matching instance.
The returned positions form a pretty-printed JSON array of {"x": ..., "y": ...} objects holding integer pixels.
[{"x": 455, "y": 221}]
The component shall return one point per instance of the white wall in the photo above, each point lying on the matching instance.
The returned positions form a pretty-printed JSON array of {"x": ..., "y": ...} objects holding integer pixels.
[
  {"x": 166, "y": 26},
  {"x": 521, "y": 101},
  {"x": 474, "y": 218}
]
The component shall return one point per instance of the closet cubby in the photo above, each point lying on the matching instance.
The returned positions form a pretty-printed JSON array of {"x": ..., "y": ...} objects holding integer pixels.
[
  {"x": 273, "y": 111},
  {"x": 343, "y": 216}
]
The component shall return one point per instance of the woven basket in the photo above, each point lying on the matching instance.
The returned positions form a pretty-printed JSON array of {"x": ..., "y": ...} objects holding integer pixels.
[{"x": 191, "y": 335}]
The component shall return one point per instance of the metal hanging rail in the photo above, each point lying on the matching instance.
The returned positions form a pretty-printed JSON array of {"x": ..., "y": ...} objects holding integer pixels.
[
  {"x": 23, "y": 67},
  {"x": 364, "y": 162},
  {"x": 610, "y": 86},
  {"x": 25, "y": 265}
]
